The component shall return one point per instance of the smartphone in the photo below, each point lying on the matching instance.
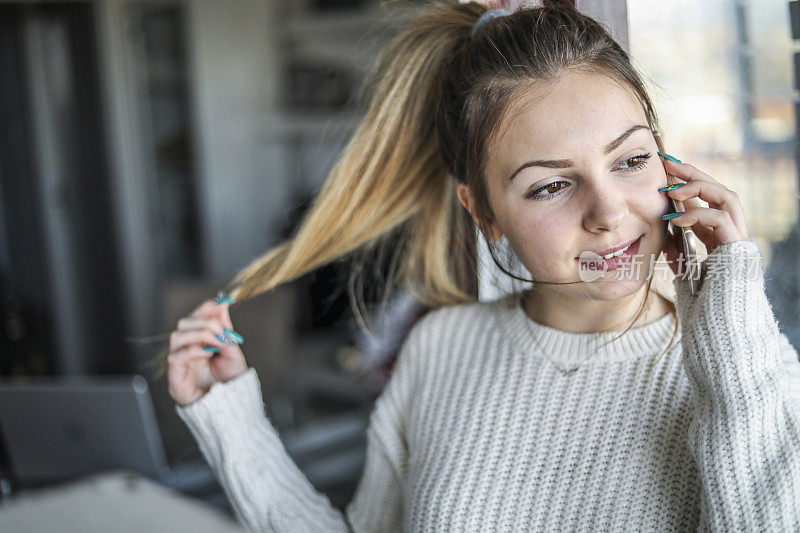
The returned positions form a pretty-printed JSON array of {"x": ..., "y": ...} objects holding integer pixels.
[{"x": 688, "y": 242}]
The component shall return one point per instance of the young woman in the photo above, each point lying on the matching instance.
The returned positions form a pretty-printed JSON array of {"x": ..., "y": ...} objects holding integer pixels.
[{"x": 593, "y": 405}]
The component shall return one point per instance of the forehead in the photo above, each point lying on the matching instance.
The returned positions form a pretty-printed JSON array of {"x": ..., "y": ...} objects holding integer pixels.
[{"x": 578, "y": 110}]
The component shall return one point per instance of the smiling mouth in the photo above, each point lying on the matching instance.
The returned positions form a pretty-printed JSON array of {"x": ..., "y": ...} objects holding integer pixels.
[
  {"x": 592, "y": 267},
  {"x": 616, "y": 251}
]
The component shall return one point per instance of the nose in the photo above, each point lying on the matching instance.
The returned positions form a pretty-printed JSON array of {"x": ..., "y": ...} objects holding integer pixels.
[{"x": 606, "y": 208}]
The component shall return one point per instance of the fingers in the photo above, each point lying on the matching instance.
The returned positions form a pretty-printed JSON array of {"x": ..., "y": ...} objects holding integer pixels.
[
  {"x": 190, "y": 375},
  {"x": 687, "y": 172},
  {"x": 209, "y": 308},
  {"x": 190, "y": 323},
  {"x": 718, "y": 197},
  {"x": 187, "y": 354},
  {"x": 198, "y": 331},
  {"x": 712, "y": 192},
  {"x": 205, "y": 309},
  {"x": 221, "y": 312},
  {"x": 703, "y": 233},
  {"x": 205, "y": 378},
  {"x": 720, "y": 221}
]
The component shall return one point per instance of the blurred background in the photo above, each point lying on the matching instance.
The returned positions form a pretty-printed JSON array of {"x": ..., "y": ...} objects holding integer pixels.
[{"x": 151, "y": 149}]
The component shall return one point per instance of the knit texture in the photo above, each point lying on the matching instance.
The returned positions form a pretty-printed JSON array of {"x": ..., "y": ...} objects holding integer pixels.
[{"x": 479, "y": 430}]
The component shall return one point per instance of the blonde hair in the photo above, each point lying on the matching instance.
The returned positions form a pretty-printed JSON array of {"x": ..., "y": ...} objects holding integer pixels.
[{"x": 435, "y": 99}]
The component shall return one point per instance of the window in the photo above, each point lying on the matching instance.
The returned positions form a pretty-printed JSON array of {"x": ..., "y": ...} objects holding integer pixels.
[{"x": 721, "y": 79}]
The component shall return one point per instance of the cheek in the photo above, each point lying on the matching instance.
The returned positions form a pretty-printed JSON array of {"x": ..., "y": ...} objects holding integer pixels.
[
  {"x": 538, "y": 239},
  {"x": 645, "y": 196},
  {"x": 651, "y": 202}
]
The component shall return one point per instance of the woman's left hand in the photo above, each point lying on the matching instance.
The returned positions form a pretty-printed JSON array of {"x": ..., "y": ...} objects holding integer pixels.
[{"x": 719, "y": 223}]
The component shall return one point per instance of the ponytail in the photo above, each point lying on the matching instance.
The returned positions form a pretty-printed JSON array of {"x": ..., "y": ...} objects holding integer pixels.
[{"x": 390, "y": 182}]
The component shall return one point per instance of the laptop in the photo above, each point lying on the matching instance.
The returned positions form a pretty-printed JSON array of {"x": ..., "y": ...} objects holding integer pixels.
[{"x": 57, "y": 429}]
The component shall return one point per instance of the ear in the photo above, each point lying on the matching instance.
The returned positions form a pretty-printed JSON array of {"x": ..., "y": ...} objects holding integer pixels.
[{"x": 466, "y": 198}]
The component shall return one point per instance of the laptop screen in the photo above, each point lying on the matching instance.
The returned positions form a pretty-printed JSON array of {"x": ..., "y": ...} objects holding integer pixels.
[{"x": 60, "y": 428}]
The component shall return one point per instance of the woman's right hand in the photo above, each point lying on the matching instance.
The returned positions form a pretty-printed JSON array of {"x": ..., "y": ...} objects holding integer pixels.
[{"x": 191, "y": 370}]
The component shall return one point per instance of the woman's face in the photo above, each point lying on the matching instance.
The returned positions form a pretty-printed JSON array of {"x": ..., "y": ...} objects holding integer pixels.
[{"x": 574, "y": 170}]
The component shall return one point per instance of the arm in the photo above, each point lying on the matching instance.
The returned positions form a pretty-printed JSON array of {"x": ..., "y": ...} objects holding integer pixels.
[
  {"x": 745, "y": 434},
  {"x": 267, "y": 490}
]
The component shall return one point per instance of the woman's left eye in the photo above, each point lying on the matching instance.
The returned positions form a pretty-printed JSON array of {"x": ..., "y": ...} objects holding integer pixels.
[{"x": 635, "y": 163}]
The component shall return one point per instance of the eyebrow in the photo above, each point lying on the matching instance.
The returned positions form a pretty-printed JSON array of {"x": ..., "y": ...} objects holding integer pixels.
[{"x": 566, "y": 163}]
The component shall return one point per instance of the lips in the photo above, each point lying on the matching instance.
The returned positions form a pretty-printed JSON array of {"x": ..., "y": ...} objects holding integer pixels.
[
  {"x": 616, "y": 248},
  {"x": 599, "y": 264}
]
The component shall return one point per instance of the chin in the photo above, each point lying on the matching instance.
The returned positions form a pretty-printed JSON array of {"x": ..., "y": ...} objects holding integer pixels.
[
  {"x": 622, "y": 282},
  {"x": 612, "y": 289}
]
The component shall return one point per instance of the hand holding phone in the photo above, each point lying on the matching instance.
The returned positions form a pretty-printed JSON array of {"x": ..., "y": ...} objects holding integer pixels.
[
  {"x": 721, "y": 222},
  {"x": 684, "y": 260}
]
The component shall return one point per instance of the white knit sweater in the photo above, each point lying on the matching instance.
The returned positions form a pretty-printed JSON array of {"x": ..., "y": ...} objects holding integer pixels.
[{"x": 477, "y": 429}]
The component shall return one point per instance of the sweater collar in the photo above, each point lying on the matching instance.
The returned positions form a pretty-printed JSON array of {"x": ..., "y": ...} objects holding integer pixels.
[{"x": 567, "y": 348}]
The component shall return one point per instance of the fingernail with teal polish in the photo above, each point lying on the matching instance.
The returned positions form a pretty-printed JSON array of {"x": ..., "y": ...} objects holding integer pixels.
[
  {"x": 222, "y": 338},
  {"x": 671, "y": 215},
  {"x": 223, "y": 298},
  {"x": 213, "y": 349},
  {"x": 671, "y": 187},
  {"x": 233, "y": 335},
  {"x": 669, "y": 157}
]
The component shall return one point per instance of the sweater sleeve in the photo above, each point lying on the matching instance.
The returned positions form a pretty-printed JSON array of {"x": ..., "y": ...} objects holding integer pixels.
[
  {"x": 267, "y": 490},
  {"x": 745, "y": 375}
]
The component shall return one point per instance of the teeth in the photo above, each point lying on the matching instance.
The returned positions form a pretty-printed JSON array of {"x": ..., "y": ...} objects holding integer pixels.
[{"x": 617, "y": 253}]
